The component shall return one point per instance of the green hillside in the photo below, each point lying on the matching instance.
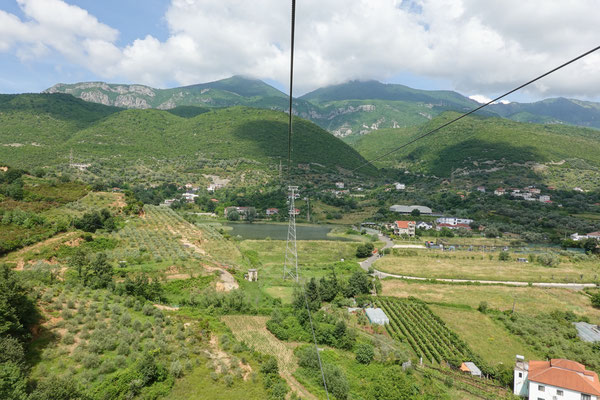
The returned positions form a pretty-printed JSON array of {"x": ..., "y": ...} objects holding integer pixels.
[
  {"x": 41, "y": 136},
  {"x": 481, "y": 143}
]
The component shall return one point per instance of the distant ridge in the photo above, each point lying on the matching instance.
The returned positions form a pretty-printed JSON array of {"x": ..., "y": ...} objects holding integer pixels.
[{"x": 348, "y": 110}]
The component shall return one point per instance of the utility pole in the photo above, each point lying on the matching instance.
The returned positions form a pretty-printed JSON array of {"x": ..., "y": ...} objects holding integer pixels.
[
  {"x": 290, "y": 266},
  {"x": 308, "y": 208}
]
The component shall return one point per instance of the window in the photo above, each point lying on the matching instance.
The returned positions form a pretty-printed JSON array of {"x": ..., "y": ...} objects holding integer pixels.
[
  {"x": 520, "y": 374},
  {"x": 586, "y": 397},
  {"x": 559, "y": 392},
  {"x": 541, "y": 388}
]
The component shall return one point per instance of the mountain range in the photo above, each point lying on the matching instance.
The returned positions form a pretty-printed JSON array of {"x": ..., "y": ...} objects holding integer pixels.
[{"x": 347, "y": 110}]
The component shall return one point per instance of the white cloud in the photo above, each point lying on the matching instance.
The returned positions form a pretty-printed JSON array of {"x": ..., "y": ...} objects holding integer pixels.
[
  {"x": 481, "y": 47},
  {"x": 480, "y": 98}
]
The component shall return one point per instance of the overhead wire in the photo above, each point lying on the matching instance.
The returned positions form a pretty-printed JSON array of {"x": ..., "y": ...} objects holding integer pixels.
[
  {"x": 475, "y": 109},
  {"x": 290, "y": 130}
]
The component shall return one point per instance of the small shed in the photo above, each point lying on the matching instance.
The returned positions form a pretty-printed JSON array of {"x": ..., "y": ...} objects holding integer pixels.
[
  {"x": 377, "y": 316},
  {"x": 470, "y": 368}
]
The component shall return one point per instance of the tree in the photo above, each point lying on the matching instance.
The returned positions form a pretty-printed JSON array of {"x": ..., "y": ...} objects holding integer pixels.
[
  {"x": 98, "y": 274},
  {"x": 312, "y": 295},
  {"x": 364, "y": 250},
  {"x": 590, "y": 245},
  {"x": 503, "y": 256},
  {"x": 415, "y": 212},
  {"x": 17, "y": 311},
  {"x": 78, "y": 261},
  {"x": 12, "y": 382},
  {"x": 57, "y": 388},
  {"x": 358, "y": 283},
  {"x": 364, "y": 353},
  {"x": 251, "y": 214},
  {"x": 596, "y": 300},
  {"x": 233, "y": 215}
]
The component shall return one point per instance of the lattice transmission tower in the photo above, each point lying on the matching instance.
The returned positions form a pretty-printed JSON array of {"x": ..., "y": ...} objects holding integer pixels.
[{"x": 290, "y": 267}]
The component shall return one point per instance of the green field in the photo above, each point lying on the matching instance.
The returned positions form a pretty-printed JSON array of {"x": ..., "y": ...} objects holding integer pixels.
[{"x": 477, "y": 265}]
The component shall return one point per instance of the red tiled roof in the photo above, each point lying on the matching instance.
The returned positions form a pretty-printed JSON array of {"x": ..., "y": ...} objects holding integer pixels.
[
  {"x": 565, "y": 374},
  {"x": 404, "y": 224}
]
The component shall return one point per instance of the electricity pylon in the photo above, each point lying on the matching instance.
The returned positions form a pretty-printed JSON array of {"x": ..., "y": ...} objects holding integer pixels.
[{"x": 290, "y": 267}]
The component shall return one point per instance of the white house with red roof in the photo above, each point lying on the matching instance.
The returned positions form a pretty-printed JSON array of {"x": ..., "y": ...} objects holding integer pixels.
[
  {"x": 555, "y": 379},
  {"x": 405, "y": 228}
]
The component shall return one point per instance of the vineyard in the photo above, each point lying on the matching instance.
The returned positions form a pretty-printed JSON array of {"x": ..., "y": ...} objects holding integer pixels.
[{"x": 413, "y": 322}]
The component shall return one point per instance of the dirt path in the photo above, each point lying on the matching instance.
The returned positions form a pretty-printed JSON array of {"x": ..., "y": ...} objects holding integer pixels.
[
  {"x": 17, "y": 255},
  {"x": 253, "y": 331}
]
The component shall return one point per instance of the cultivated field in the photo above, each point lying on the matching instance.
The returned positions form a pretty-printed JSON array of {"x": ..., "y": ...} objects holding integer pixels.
[
  {"x": 486, "y": 337},
  {"x": 475, "y": 265},
  {"x": 528, "y": 300}
]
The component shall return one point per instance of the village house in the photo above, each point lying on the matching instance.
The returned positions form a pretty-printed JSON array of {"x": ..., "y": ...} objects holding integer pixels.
[
  {"x": 544, "y": 198},
  {"x": 499, "y": 192},
  {"x": 399, "y": 186},
  {"x": 242, "y": 211},
  {"x": 339, "y": 185},
  {"x": 534, "y": 190},
  {"x": 272, "y": 211},
  {"x": 454, "y": 221},
  {"x": 189, "y": 197},
  {"x": 481, "y": 189},
  {"x": 424, "y": 225},
  {"x": 555, "y": 379},
  {"x": 405, "y": 228}
]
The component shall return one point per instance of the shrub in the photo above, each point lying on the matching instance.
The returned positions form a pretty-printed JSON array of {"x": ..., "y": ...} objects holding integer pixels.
[
  {"x": 548, "y": 260},
  {"x": 176, "y": 369},
  {"x": 504, "y": 256},
  {"x": 68, "y": 339},
  {"x": 91, "y": 361},
  {"x": 148, "y": 309},
  {"x": 483, "y": 307},
  {"x": 364, "y": 353}
]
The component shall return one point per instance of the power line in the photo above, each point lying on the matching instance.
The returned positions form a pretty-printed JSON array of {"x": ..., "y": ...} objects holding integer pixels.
[
  {"x": 291, "y": 85},
  {"x": 477, "y": 109},
  {"x": 291, "y": 255}
]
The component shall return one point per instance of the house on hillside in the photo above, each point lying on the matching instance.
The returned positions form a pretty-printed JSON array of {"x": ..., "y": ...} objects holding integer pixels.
[
  {"x": 544, "y": 198},
  {"x": 272, "y": 211},
  {"x": 481, "y": 189},
  {"x": 189, "y": 197},
  {"x": 242, "y": 211},
  {"x": 399, "y": 186},
  {"x": 453, "y": 221},
  {"x": 470, "y": 368},
  {"x": 405, "y": 228},
  {"x": 577, "y": 237},
  {"x": 376, "y": 316},
  {"x": 593, "y": 235},
  {"x": 424, "y": 225},
  {"x": 555, "y": 379},
  {"x": 339, "y": 185},
  {"x": 500, "y": 192}
]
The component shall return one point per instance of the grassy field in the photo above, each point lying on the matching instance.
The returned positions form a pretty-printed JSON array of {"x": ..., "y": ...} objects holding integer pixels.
[
  {"x": 315, "y": 259},
  {"x": 475, "y": 241},
  {"x": 486, "y": 337},
  {"x": 475, "y": 265},
  {"x": 529, "y": 300}
]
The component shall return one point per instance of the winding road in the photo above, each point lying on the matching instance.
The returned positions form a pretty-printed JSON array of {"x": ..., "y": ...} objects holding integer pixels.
[{"x": 389, "y": 243}]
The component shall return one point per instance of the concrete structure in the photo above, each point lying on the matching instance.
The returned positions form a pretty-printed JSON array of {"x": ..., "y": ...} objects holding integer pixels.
[
  {"x": 409, "y": 209},
  {"x": 470, "y": 368},
  {"x": 405, "y": 228},
  {"x": 252, "y": 275},
  {"x": 377, "y": 316},
  {"x": 554, "y": 379}
]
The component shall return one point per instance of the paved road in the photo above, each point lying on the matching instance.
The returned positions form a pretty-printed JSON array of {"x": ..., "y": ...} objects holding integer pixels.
[{"x": 389, "y": 243}]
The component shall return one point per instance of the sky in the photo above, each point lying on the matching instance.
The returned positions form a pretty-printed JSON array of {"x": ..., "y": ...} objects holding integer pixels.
[{"x": 478, "y": 48}]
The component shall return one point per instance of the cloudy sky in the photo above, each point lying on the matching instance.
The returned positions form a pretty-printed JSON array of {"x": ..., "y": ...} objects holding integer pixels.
[{"x": 475, "y": 47}]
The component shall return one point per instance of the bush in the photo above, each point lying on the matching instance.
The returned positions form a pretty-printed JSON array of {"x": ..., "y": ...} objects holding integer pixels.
[
  {"x": 176, "y": 369},
  {"x": 504, "y": 256},
  {"x": 364, "y": 353},
  {"x": 483, "y": 307},
  {"x": 548, "y": 260},
  {"x": 68, "y": 339}
]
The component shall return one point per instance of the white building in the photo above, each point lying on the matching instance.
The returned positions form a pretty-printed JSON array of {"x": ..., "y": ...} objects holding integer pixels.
[
  {"x": 405, "y": 228},
  {"x": 544, "y": 198},
  {"x": 424, "y": 225},
  {"x": 454, "y": 221},
  {"x": 408, "y": 209},
  {"x": 339, "y": 185},
  {"x": 555, "y": 379},
  {"x": 399, "y": 186}
]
